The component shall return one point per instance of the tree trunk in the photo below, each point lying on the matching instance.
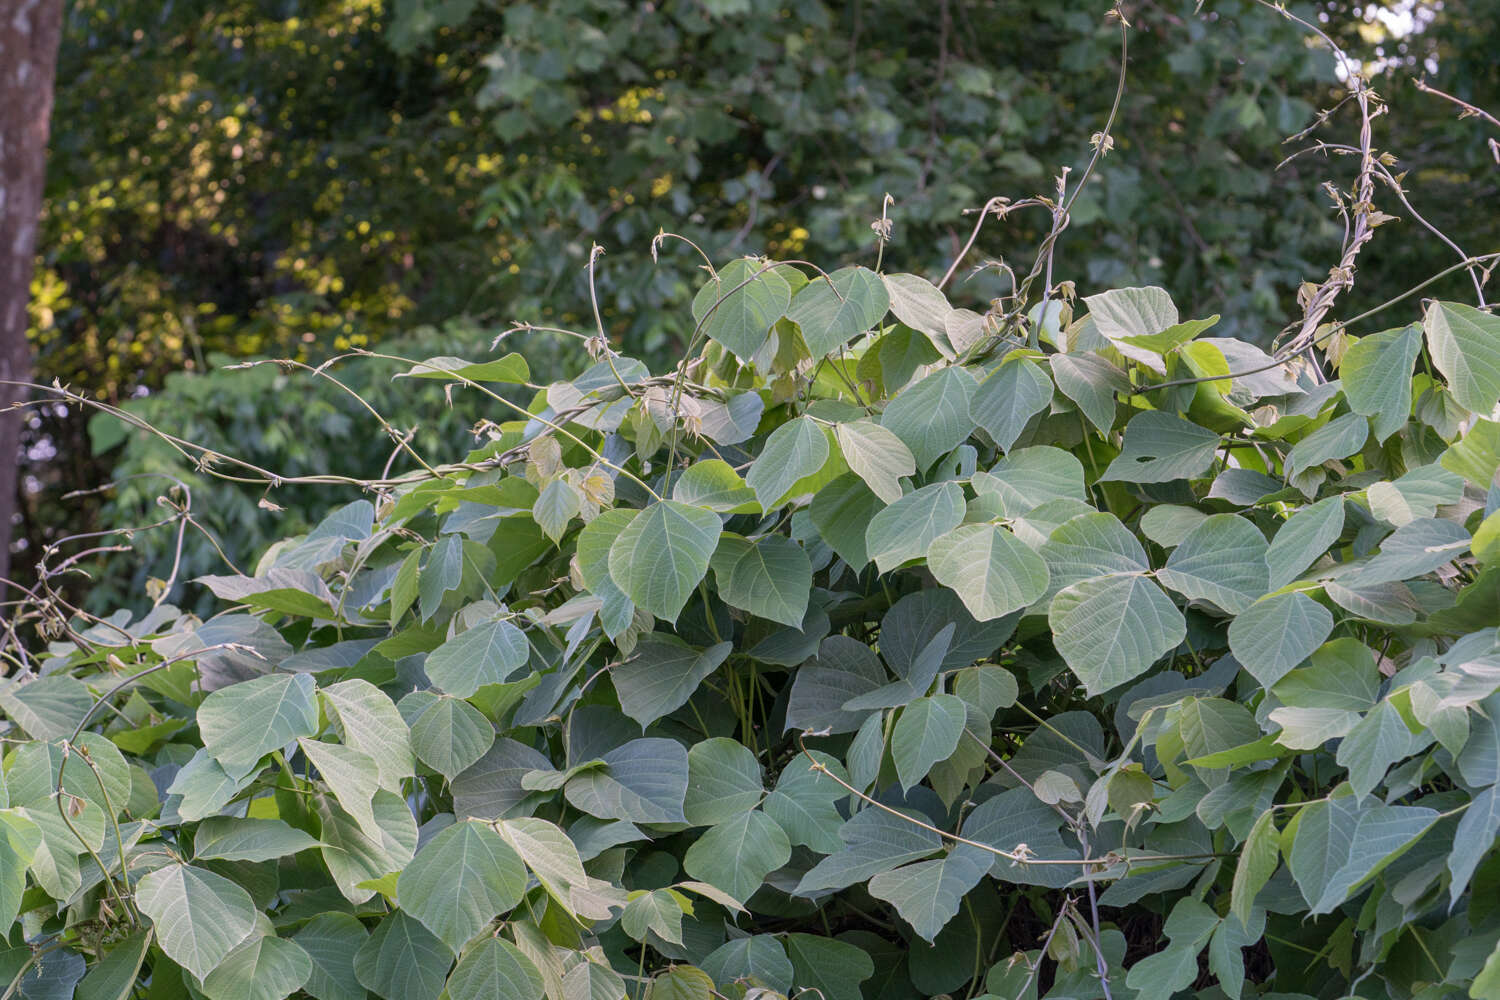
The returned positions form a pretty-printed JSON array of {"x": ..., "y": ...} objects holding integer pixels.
[{"x": 29, "y": 34}]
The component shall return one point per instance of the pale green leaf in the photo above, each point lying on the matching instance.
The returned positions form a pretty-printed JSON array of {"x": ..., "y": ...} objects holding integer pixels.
[
  {"x": 908, "y": 527},
  {"x": 928, "y": 894},
  {"x": 331, "y": 941},
  {"x": 1259, "y": 856},
  {"x": 1379, "y": 740},
  {"x": 1031, "y": 477},
  {"x": 834, "y": 310},
  {"x": 741, "y": 304},
  {"x": 711, "y": 483},
  {"x": 1277, "y": 633},
  {"x": 199, "y": 917},
  {"x": 1007, "y": 398},
  {"x": 1111, "y": 629},
  {"x": 242, "y": 723},
  {"x": 877, "y": 456},
  {"x": 645, "y": 781},
  {"x": 1465, "y": 346},
  {"x": 402, "y": 960},
  {"x": 770, "y": 577},
  {"x": 1339, "y": 438},
  {"x": 486, "y": 654},
  {"x": 659, "y": 558},
  {"x": 794, "y": 451},
  {"x": 448, "y": 735},
  {"x": 226, "y": 838},
  {"x": 510, "y": 369},
  {"x": 834, "y": 969},
  {"x": 494, "y": 968},
  {"x": 1161, "y": 447},
  {"x": 1376, "y": 372},
  {"x": 723, "y": 781},
  {"x": 989, "y": 568},
  {"x": 369, "y": 722},
  {"x": 927, "y": 731},
  {"x": 461, "y": 880},
  {"x": 932, "y": 415},
  {"x": 1304, "y": 538},
  {"x": 263, "y": 968},
  {"x": 1222, "y": 560},
  {"x": 737, "y": 854},
  {"x": 661, "y": 674},
  {"x": 1092, "y": 383}
]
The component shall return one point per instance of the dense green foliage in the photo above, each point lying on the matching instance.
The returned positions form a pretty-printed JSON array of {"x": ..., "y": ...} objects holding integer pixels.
[
  {"x": 871, "y": 651},
  {"x": 290, "y": 177}
]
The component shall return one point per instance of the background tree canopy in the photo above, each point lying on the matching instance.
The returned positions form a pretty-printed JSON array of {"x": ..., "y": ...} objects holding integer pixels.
[{"x": 296, "y": 178}]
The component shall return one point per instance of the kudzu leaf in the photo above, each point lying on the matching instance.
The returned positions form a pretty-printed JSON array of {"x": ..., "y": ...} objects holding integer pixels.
[
  {"x": 402, "y": 960},
  {"x": 199, "y": 917},
  {"x": 932, "y": 415},
  {"x": 486, "y": 654},
  {"x": 740, "y": 304},
  {"x": 661, "y": 674},
  {"x": 737, "y": 854},
  {"x": 264, "y": 967},
  {"x": 834, "y": 310},
  {"x": 1276, "y": 633},
  {"x": 1007, "y": 398},
  {"x": 1303, "y": 539},
  {"x": 877, "y": 456},
  {"x": 1111, "y": 629},
  {"x": 461, "y": 880},
  {"x": 906, "y": 528},
  {"x": 1376, "y": 373},
  {"x": 1161, "y": 447},
  {"x": 1339, "y": 438},
  {"x": 1029, "y": 478},
  {"x": 723, "y": 781},
  {"x": 492, "y": 968},
  {"x": 927, "y": 731},
  {"x": 1092, "y": 383},
  {"x": 244, "y": 722},
  {"x": 1222, "y": 560},
  {"x": 928, "y": 894},
  {"x": 989, "y": 568},
  {"x": 794, "y": 451},
  {"x": 662, "y": 554},
  {"x": 1465, "y": 346},
  {"x": 770, "y": 577}
]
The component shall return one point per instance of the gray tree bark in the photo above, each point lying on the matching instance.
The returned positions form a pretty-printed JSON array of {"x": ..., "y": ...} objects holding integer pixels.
[{"x": 29, "y": 35}]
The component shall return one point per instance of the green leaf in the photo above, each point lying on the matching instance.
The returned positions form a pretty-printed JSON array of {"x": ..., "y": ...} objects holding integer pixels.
[
  {"x": 756, "y": 960},
  {"x": 660, "y": 557},
  {"x": 403, "y": 960},
  {"x": 1007, "y": 398},
  {"x": 928, "y": 894},
  {"x": 1477, "y": 456},
  {"x": 494, "y": 968},
  {"x": 1259, "y": 856},
  {"x": 658, "y": 911},
  {"x": 115, "y": 975},
  {"x": 908, "y": 527},
  {"x": 1339, "y": 438},
  {"x": 723, "y": 782},
  {"x": 226, "y": 838},
  {"x": 555, "y": 507},
  {"x": 1303, "y": 539},
  {"x": 1309, "y": 728},
  {"x": 263, "y": 968},
  {"x": 1163, "y": 974},
  {"x": 1276, "y": 633},
  {"x": 1412, "y": 550},
  {"x": 1124, "y": 316},
  {"x": 47, "y": 708},
  {"x": 645, "y": 781},
  {"x": 355, "y": 855},
  {"x": 874, "y": 842},
  {"x": 803, "y": 802},
  {"x": 1031, "y": 477},
  {"x": 1222, "y": 560},
  {"x": 351, "y": 775},
  {"x": 986, "y": 687},
  {"x": 1465, "y": 346},
  {"x": 199, "y": 917},
  {"x": 841, "y": 512},
  {"x": 1111, "y": 629},
  {"x": 932, "y": 415},
  {"x": 442, "y": 574},
  {"x": 770, "y": 577},
  {"x": 369, "y": 722},
  {"x": 835, "y": 310},
  {"x": 681, "y": 982},
  {"x": 1339, "y": 846},
  {"x": 510, "y": 369},
  {"x": 1092, "y": 384},
  {"x": 927, "y": 731},
  {"x": 242, "y": 723},
  {"x": 746, "y": 297},
  {"x": 461, "y": 880},
  {"x": 1161, "y": 447},
  {"x": 844, "y": 668},
  {"x": 795, "y": 450},
  {"x": 738, "y": 854},
  {"x": 1417, "y": 494},
  {"x": 661, "y": 674},
  {"x": 1379, "y": 740},
  {"x": 919, "y": 304},
  {"x": 877, "y": 456},
  {"x": 1473, "y": 839},
  {"x": 592, "y": 557},
  {"x": 1376, "y": 372},
  {"x": 710, "y": 483},
  {"x": 332, "y": 940},
  {"x": 989, "y": 568},
  {"x": 485, "y": 654},
  {"x": 448, "y": 735},
  {"x": 833, "y": 968},
  {"x": 1486, "y": 985}
]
